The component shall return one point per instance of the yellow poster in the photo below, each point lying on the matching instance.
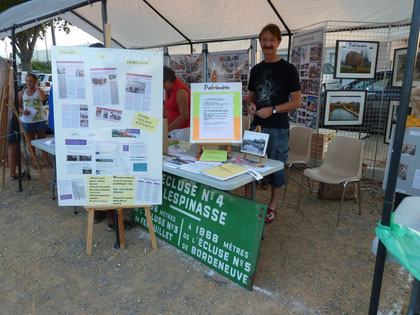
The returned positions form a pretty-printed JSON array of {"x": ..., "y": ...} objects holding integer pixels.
[
  {"x": 123, "y": 190},
  {"x": 145, "y": 122},
  {"x": 99, "y": 190}
]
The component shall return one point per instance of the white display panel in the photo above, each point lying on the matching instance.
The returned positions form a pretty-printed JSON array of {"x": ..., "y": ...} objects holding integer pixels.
[{"x": 108, "y": 126}]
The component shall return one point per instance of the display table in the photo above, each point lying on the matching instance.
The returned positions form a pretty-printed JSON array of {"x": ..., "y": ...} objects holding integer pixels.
[
  {"x": 230, "y": 184},
  {"x": 48, "y": 145}
]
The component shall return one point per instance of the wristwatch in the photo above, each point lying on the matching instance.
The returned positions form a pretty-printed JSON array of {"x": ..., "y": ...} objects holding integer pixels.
[{"x": 274, "y": 109}]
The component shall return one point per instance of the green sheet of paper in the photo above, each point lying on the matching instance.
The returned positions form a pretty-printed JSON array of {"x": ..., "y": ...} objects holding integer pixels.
[{"x": 214, "y": 156}]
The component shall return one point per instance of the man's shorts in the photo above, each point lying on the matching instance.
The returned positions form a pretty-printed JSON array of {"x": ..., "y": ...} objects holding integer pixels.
[
  {"x": 38, "y": 126},
  {"x": 277, "y": 149}
]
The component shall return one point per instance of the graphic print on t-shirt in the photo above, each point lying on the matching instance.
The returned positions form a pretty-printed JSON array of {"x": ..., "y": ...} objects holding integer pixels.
[{"x": 266, "y": 88}]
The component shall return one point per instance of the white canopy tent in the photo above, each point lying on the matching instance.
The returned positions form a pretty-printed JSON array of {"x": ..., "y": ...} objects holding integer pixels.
[{"x": 160, "y": 23}]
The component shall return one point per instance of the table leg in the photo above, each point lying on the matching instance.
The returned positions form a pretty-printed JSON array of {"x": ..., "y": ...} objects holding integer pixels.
[
  {"x": 75, "y": 210},
  {"x": 54, "y": 185},
  {"x": 121, "y": 227},
  {"x": 253, "y": 190},
  {"x": 117, "y": 232}
]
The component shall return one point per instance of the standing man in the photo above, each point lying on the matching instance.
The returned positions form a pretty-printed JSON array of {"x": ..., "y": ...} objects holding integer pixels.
[{"x": 274, "y": 90}]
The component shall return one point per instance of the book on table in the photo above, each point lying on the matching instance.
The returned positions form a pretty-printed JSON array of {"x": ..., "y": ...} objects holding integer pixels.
[{"x": 226, "y": 171}]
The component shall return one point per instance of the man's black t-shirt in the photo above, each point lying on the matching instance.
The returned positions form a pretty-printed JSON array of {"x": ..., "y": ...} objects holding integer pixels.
[{"x": 272, "y": 84}]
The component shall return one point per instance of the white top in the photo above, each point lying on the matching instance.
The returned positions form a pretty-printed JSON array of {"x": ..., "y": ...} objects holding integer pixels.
[{"x": 33, "y": 101}]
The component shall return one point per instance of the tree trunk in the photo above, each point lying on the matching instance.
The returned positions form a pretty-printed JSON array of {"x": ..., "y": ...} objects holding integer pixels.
[
  {"x": 26, "y": 62},
  {"x": 25, "y": 43}
]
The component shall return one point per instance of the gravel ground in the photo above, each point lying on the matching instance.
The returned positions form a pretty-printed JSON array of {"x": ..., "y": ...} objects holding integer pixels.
[{"x": 306, "y": 264}]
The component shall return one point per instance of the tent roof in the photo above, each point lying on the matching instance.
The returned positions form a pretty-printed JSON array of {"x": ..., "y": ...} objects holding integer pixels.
[{"x": 157, "y": 23}]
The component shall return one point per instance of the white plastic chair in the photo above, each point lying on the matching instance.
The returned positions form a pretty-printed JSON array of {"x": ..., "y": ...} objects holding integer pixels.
[
  {"x": 342, "y": 164},
  {"x": 299, "y": 150}
]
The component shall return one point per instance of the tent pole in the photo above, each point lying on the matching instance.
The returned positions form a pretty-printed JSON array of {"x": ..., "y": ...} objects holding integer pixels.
[
  {"x": 15, "y": 71},
  {"x": 104, "y": 19},
  {"x": 204, "y": 53},
  {"x": 253, "y": 52},
  {"x": 413, "y": 43},
  {"x": 165, "y": 56},
  {"x": 280, "y": 18},
  {"x": 53, "y": 33},
  {"x": 170, "y": 24},
  {"x": 289, "y": 46}
]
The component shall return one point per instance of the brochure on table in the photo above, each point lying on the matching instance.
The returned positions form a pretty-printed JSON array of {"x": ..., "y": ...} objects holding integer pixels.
[
  {"x": 107, "y": 113},
  {"x": 216, "y": 113}
]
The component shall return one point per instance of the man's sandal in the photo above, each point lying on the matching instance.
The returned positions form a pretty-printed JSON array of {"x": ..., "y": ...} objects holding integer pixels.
[{"x": 271, "y": 215}]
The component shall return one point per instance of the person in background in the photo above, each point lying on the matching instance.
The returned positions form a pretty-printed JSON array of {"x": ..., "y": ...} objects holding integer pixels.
[
  {"x": 177, "y": 105},
  {"x": 32, "y": 98},
  {"x": 274, "y": 90}
]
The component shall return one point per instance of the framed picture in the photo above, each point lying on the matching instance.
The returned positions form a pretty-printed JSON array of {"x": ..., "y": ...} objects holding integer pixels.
[
  {"x": 254, "y": 143},
  {"x": 344, "y": 108},
  {"x": 355, "y": 59},
  {"x": 399, "y": 67},
  {"x": 392, "y": 119}
]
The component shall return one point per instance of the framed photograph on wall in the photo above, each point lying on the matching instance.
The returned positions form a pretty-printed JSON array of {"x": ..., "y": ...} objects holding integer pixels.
[
  {"x": 254, "y": 143},
  {"x": 344, "y": 108},
  {"x": 399, "y": 67},
  {"x": 355, "y": 59},
  {"x": 392, "y": 119}
]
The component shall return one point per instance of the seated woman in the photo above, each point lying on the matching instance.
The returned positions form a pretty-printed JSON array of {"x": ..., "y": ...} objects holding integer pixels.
[{"x": 177, "y": 105}]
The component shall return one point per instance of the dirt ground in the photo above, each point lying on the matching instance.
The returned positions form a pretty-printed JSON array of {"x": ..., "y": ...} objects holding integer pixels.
[{"x": 306, "y": 265}]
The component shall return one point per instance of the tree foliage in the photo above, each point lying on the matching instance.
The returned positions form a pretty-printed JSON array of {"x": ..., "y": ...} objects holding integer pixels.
[{"x": 26, "y": 40}]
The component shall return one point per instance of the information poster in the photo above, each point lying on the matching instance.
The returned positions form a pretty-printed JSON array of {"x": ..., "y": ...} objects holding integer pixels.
[
  {"x": 188, "y": 68},
  {"x": 221, "y": 230},
  {"x": 307, "y": 56},
  {"x": 408, "y": 178},
  {"x": 229, "y": 66},
  {"x": 108, "y": 126},
  {"x": 216, "y": 113}
]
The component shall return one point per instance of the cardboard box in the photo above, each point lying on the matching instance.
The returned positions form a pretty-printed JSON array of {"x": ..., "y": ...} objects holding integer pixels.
[
  {"x": 333, "y": 191},
  {"x": 319, "y": 148}
]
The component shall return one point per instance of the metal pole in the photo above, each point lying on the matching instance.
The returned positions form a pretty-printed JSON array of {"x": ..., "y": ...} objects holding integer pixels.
[
  {"x": 253, "y": 47},
  {"x": 204, "y": 53},
  {"x": 289, "y": 46},
  {"x": 53, "y": 33},
  {"x": 104, "y": 18},
  {"x": 413, "y": 307},
  {"x": 165, "y": 56},
  {"x": 413, "y": 43},
  {"x": 15, "y": 71}
]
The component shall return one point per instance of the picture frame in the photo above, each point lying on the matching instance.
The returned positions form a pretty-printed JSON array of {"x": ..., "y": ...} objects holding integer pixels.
[
  {"x": 254, "y": 143},
  {"x": 398, "y": 68},
  {"x": 355, "y": 59},
  {"x": 344, "y": 108},
  {"x": 392, "y": 118}
]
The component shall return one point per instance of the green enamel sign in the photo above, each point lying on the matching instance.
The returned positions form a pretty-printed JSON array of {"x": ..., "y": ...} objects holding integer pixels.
[{"x": 221, "y": 230}]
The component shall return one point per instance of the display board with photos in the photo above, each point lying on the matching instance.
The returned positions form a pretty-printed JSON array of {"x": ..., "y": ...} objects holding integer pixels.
[
  {"x": 307, "y": 56},
  {"x": 188, "y": 68},
  {"x": 408, "y": 178},
  {"x": 355, "y": 59},
  {"x": 392, "y": 118},
  {"x": 398, "y": 68},
  {"x": 216, "y": 112},
  {"x": 108, "y": 127},
  {"x": 344, "y": 108},
  {"x": 230, "y": 66}
]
